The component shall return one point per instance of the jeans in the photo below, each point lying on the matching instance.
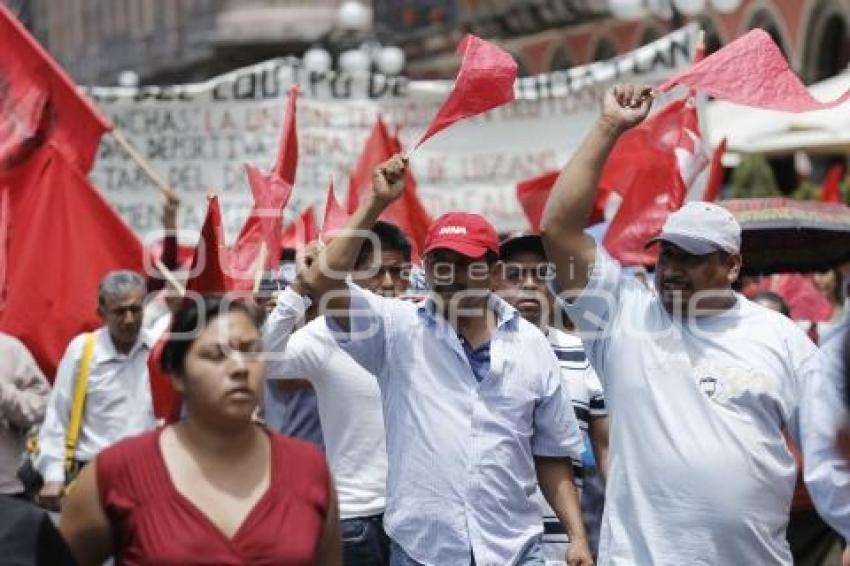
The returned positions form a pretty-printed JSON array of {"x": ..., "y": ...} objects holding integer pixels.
[
  {"x": 532, "y": 556},
  {"x": 364, "y": 542}
]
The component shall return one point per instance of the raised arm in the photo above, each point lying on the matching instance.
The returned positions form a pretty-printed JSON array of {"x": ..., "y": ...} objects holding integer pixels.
[
  {"x": 325, "y": 279},
  {"x": 564, "y": 219}
]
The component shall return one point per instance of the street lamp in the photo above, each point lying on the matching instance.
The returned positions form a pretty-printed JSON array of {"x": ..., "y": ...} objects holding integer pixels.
[
  {"x": 627, "y": 10},
  {"x": 354, "y": 42}
]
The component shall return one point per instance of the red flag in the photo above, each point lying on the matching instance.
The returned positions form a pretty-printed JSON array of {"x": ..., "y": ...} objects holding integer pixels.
[
  {"x": 287, "y": 153},
  {"x": 4, "y": 242},
  {"x": 651, "y": 167},
  {"x": 485, "y": 81},
  {"x": 378, "y": 148},
  {"x": 208, "y": 273},
  {"x": 752, "y": 71},
  {"x": 715, "y": 176},
  {"x": 63, "y": 239},
  {"x": 271, "y": 193},
  {"x": 335, "y": 217},
  {"x": 301, "y": 232},
  {"x": 831, "y": 191},
  {"x": 408, "y": 212},
  {"x": 533, "y": 193},
  {"x": 39, "y": 101}
]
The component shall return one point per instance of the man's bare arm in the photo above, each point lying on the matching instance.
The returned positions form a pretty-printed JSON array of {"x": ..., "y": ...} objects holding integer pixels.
[
  {"x": 325, "y": 278},
  {"x": 568, "y": 208}
]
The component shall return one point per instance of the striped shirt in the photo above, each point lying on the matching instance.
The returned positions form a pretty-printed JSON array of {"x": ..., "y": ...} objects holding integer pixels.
[{"x": 588, "y": 402}]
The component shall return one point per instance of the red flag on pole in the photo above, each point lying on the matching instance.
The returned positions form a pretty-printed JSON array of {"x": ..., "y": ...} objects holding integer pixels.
[
  {"x": 831, "y": 191},
  {"x": 208, "y": 272},
  {"x": 287, "y": 153},
  {"x": 4, "y": 243},
  {"x": 408, "y": 212},
  {"x": 271, "y": 193},
  {"x": 39, "y": 101},
  {"x": 63, "y": 239},
  {"x": 715, "y": 176},
  {"x": 301, "y": 232},
  {"x": 751, "y": 71},
  {"x": 485, "y": 81},
  {"x": 335, "y": 216}
]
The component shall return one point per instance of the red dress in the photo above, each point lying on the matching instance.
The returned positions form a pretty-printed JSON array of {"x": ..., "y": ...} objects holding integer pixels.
[{"x": 152, "y": 523}]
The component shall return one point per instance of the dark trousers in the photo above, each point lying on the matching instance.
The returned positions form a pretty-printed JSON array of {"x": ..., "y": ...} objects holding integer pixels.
[
  {"x": 364, "y": 542},
  {"x": 811, "y": 539}
]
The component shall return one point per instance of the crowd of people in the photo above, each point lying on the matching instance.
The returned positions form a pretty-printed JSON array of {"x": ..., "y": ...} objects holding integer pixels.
[{"x": 471, "y": 420}]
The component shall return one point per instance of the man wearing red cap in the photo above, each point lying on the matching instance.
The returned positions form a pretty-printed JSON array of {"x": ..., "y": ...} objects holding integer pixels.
[{"x": 475, "y": 413}]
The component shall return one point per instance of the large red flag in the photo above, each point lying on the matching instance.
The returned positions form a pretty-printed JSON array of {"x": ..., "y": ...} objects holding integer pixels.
[
  {"x": 651, "y": 167},
  {"x": 39, "y": 101},
  {"x": 5, "y": 221},
  {"x": 63, "y": 239},
  {"x": 533, "y": 193},
  {"x": 715, "y": 176},
  {"x": 752, "y": 71},
  {"x": 831, "y": 191},
  {"x": 300, "y": 232},
  {"x": 335, "y": 216},
  {"x": 485, "y": 81},
  {"x": 408, "y": 212}
]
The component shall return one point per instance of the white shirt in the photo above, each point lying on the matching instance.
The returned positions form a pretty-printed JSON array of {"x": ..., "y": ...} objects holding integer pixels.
[
  {"x": 827, "y": 474},
  {"x": 699, "y": 469},
  {"x": 588, "y": 401},
  {"x": 349, "y": 405},
  {"x": 118, "y": 401}
]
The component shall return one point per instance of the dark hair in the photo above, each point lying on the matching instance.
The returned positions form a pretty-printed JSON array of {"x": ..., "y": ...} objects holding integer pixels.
[
  {"x": 521, "y": 244},
  {"x": 390, "y": 238},
  {"x": 773, "y": 298},
  {"x": 185, "y": 323}
]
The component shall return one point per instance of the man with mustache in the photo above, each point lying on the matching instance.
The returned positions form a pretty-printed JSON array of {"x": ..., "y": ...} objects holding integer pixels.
[
  {"x": 701, "y": 383},
  {"x": 475, "y": 412},
  {"x": 521, "y": 281}
]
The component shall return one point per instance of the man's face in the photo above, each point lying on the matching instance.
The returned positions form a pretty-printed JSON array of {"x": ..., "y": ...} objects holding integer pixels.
[
  {"x": 680, "y": 275},
  {"x": 389, "y": 273},
  {"x": 521, "y": 281},
  {"x": 123, "y": 314},
  {"x": 458, "y": 280}
]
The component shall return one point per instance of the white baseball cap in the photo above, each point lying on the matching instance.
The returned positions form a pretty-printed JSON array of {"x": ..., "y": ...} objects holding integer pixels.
[{"x": 701, "y": 228}]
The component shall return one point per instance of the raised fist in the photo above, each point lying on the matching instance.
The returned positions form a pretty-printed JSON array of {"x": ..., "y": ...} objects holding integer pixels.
[
  {"x": 626, "y": 105},
  {"x": 388, "y": 178}
]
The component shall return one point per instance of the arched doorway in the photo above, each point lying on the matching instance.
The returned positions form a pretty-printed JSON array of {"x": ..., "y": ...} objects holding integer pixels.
[
  {"x": 561, "y": 60},
  {"x": 604, "y": 50},
  {"x": 766, "y": 20},
  {"x": 827, "y": 42}
]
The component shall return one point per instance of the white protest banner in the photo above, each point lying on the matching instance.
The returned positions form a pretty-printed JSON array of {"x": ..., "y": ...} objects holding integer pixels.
[{"x": 199, "y": 136}]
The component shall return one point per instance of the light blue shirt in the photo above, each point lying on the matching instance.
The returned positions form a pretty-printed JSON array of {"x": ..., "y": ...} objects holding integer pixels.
[
  {"x": 826, "y": 473},
  {"x": 461, "y": 453}
]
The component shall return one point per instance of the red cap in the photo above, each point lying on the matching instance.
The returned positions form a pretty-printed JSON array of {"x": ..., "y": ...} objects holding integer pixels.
[{"x": 463, "y": 232}]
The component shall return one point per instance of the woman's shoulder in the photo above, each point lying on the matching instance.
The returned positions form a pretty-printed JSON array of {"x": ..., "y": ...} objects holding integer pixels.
[{"x": 130, "y": 452}]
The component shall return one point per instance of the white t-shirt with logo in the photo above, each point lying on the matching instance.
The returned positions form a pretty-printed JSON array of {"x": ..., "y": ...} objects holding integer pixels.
[
  {"x": 350, "y": 412},
  {"x": 699, "y": 470}
]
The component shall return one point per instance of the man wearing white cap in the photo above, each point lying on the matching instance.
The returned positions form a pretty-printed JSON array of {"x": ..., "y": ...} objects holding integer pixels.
[{"x": 701, "y": 384}]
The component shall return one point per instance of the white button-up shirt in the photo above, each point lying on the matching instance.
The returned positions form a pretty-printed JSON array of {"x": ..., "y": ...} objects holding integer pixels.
[
  {"x": 827, "y": 474},
  {"x": 118, "y": 401},
  {"x": 461, "y": 468}
]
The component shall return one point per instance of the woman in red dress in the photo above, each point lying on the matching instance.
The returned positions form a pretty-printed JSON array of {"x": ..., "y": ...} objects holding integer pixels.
[{"x": 215, "y": 488}]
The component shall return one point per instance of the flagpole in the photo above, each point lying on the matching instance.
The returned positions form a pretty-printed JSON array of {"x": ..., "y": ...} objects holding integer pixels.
[
  {"x": 163, "y": 187},
  {"x": 261, "y": 265},
  {"x": 169, "y": 276}
]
